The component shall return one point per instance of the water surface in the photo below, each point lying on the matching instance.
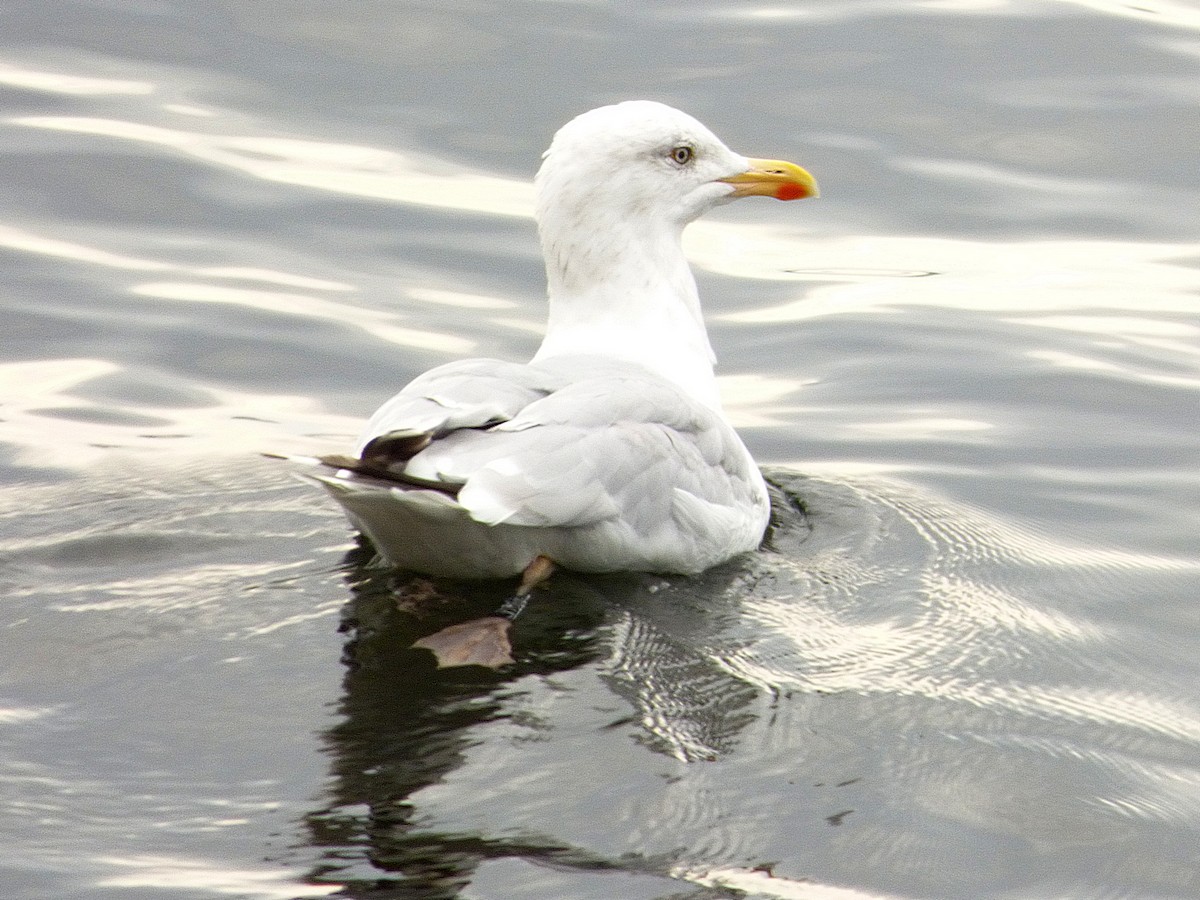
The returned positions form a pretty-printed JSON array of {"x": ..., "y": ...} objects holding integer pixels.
[{"x": 965, "y": 664}]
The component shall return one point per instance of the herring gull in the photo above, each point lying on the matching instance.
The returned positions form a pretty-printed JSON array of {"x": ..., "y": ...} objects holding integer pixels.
[{"x": 609, "y": 451}]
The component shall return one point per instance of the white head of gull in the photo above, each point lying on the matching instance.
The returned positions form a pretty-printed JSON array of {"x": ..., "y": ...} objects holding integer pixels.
[
  {"x": 608, "y": 451},
  {"x": 614, "y": 193}
]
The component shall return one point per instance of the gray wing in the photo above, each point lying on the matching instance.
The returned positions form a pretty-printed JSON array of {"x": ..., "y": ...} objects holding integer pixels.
[
  {"x": 473, "y": 393},
  {"x": 613, "y": 441}
]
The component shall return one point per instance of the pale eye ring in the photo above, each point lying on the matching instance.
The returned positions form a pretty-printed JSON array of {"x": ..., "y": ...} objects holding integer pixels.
[{"x": 682, "y": 155}]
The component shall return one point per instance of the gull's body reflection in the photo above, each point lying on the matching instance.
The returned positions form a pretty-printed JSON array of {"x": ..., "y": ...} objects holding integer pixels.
[{"x": 408, "y": 725}]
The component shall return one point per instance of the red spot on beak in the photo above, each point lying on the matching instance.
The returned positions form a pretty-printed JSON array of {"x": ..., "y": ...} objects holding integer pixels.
[{"x": 790, "y": 192}]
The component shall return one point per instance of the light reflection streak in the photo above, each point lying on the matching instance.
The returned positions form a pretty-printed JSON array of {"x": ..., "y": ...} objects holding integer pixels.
[
  {"x": 459, "y": 299},
  {"x": 269, "y": 276},
  {"x": 917, "y": 428},
  {"x": 27, "y": 242},
  {"x": 819, "y": 12},
  {"x": 753, "y": 401},
  {"x": 184, "y": 109},
  {"x": 1171, "y": 340},
  {"x": 1074, "y": 361},
  {"x": 21, "y": 715},
  {"x": 980, "y": 276},
  {"x": 1155, "y": 12},
  {"x": 766, "y": 884},
  {"x": 205, "y": 878},
  {"x": 1073, "y": 95},
  {"x": 186, "y": 589},
  {"x": 76, "y": 85},
  {"x": 341, "y": 168},
  {"x": 233, "y": 422},
  {"x": 523, "y": 326},
  {"x": 43, "y": 381},
  {"x": 1160, "y": 793},
  {"x": 980, "y": 173},
  {"x": 328, "y": 610},
  {"x": 1127, "y": 326},
  {"x": 377, "y": 324},
  {"x": 1058, "y": 278}
]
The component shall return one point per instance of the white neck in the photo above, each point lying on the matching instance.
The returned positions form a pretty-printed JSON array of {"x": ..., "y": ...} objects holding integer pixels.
[{"x": 627, "y": 292}]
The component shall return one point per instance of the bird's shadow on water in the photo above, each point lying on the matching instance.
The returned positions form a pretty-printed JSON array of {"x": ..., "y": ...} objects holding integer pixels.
[{"x": 407, "y": 725}]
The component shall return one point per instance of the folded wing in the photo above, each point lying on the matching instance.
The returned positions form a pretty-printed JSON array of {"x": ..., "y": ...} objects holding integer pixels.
[{"x": 557, "y": 445}]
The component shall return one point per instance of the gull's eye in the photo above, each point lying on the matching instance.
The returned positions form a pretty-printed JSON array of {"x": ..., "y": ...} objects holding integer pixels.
[{"x": 682, "y": 155}]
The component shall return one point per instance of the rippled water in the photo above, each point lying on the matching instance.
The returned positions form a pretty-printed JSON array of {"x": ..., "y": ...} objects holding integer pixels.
[{"x": 965, "y": 664}]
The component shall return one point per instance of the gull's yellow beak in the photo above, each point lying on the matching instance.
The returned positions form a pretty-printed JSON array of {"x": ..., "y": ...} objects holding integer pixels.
[{"x": 773, "y": 178}]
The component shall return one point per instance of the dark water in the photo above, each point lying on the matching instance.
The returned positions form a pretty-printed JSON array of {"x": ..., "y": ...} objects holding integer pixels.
[{"x": 967, "y": 664}]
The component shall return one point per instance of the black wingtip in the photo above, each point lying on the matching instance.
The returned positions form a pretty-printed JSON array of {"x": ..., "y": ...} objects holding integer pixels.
[{"x": 395, "y": 446}]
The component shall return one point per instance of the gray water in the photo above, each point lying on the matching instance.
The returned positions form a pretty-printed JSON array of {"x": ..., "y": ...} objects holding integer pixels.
[{"x": 967, "y": 662}]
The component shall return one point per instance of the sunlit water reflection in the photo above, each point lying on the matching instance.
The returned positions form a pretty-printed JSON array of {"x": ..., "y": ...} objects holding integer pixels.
[{"x": 963, "y": 666}]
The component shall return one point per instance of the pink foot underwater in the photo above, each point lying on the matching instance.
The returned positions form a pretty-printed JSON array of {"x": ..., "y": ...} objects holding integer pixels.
[{"x": 480, "y": 642}]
